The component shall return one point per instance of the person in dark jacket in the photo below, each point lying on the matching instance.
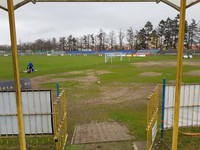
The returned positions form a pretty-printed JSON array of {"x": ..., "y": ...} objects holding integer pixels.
[{"x": 30, "y": 67}]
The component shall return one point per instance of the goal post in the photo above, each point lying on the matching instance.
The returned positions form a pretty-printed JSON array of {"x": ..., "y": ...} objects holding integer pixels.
[{"x": 110, "y": 56}]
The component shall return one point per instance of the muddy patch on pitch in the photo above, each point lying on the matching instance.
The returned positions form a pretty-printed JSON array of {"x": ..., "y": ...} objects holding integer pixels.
[
  {"x": 193, "y": 73},
  {"x": 90, "y": 76},
  {"x": 151, "y": 74},
  {"x": 166, "y": 63},
  {"x": 191, "y": 63},
  {"x": 171, "y": 82},
  {"x": 155, "y": 63},
  {"x": 117, "y": 93}
]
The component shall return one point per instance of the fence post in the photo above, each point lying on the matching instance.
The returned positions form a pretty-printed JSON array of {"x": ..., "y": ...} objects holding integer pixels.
[
  {"x": 163, "y": 108},
  {"x": 57, "y": 89},
  {"x": 20, "y": 117}
]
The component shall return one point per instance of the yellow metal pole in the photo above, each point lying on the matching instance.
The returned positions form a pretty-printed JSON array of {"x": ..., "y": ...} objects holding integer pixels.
[
  {"x": 22, "y": 141},
  {"x": 179, "y": 73}
]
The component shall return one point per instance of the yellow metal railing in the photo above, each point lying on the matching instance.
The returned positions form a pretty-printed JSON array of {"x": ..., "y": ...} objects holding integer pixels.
[
  {"x": 152, "y": 116},
  {"x": 60, "y": 120}
]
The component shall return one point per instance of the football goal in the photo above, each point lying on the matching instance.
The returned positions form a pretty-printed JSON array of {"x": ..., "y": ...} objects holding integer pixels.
[{"x": 111, "y": 56}]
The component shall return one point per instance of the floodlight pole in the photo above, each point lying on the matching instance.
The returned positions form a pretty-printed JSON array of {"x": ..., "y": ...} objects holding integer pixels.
[
  {"x": 179, "y": 73},
  {"x": 21, "y": 133}
]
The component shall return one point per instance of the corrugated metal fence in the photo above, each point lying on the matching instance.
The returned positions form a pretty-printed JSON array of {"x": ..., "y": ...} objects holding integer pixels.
[
  {"x": 37, "y": 113},
  {"x": 45, "y": 119},
  {"x": 189, "y": 105},
  {"x": 189, "y": 109}
]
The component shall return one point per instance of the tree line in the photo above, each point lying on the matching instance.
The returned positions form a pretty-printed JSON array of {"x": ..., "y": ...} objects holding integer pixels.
[{"x": 164, "y": 36}]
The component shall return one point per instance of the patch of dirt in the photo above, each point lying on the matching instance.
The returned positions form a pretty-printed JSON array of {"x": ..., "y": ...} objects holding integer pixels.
[
  {"x": 89, "y": 71},
  {"x": 157, "y": 63},
  {"x": 73, "y": 72},
  {"x": 100, "y": 72},
  {"x": 172, "y": 81},
  {"x": 36, "y": 81},
  {"x": 91, "y": 76},
  {"x": 193, "y": 73},
  {"x": 119, "y": 93},
  {"x": 191, "y": 63},
  {"x": 151, "y": 74},
  {"x": 109, "y": 94},
  {"x": 166, "y": 63}
]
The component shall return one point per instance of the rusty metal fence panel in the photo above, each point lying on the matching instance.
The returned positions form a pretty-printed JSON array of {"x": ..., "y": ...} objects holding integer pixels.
[
  {"x": 189, "y": 105},
  {"x": 152, "y": 116}
]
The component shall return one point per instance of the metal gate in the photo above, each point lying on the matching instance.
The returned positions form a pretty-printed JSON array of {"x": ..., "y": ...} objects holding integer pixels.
[
  {"x": 60, "y": 120},
  {"x": 152, "y": 116}
]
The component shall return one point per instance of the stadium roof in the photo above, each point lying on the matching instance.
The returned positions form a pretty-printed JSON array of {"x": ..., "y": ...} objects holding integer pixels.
[{"x": 173, "y": 3}]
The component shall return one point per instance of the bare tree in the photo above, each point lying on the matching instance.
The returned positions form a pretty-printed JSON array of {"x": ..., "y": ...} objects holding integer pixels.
[
  {"x": 47, "y": 45},
  {"x": 92, "y": 41},
  {"x": 112, "y": 39},
  {"x": 121, "y": 38},
  {"x": 79, "y": 43},
  {"x": 130, "y": 37},
  {"x": 102, "y": 39},
  {"x": 85, "y": 42},
  {"x": 54, "y": 43},
  {"x": 70, "y": 42},
  {"x": 96, "y": 42},
  {"x": 39, "y": 44},
  {"x": 88, "y": 41},
  {"x": 62, "y": 42}
]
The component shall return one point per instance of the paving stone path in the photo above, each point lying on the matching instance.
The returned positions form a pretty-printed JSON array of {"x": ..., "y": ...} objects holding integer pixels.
[{"x": 101, "y": 132}]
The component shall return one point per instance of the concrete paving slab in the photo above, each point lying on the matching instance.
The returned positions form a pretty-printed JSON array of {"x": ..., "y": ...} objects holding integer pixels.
[
  {"x": 140, "y": 145},
  {"x": 101, "y": 132}
]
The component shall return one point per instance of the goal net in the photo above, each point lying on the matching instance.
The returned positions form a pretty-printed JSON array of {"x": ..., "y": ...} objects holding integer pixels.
[{"x": 111, "y": 56}]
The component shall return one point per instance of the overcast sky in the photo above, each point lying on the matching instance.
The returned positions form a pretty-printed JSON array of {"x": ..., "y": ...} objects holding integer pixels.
[{"x": 47, "y": 20}]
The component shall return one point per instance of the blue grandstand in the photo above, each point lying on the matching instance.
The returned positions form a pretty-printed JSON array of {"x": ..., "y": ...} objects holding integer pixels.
[
  {"x": 102, "y": 52},
  {"x": 147, "y": 52}
]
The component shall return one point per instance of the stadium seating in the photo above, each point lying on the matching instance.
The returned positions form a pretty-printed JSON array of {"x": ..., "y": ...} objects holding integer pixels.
[
  {"x": 148, "y": 52},
  {"x": 102, "y": 52}
]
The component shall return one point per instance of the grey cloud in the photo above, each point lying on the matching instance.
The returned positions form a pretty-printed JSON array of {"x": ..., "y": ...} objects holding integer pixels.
[{"x": 46, "y": 20}]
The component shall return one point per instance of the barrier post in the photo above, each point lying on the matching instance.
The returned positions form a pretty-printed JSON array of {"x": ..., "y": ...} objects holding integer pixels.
[
  {"x": 163, "y": 108},
  {"x": 20, "y": 117},
  {"x": 179, "y": 73},
  {"x": 57, "y": 89}
]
